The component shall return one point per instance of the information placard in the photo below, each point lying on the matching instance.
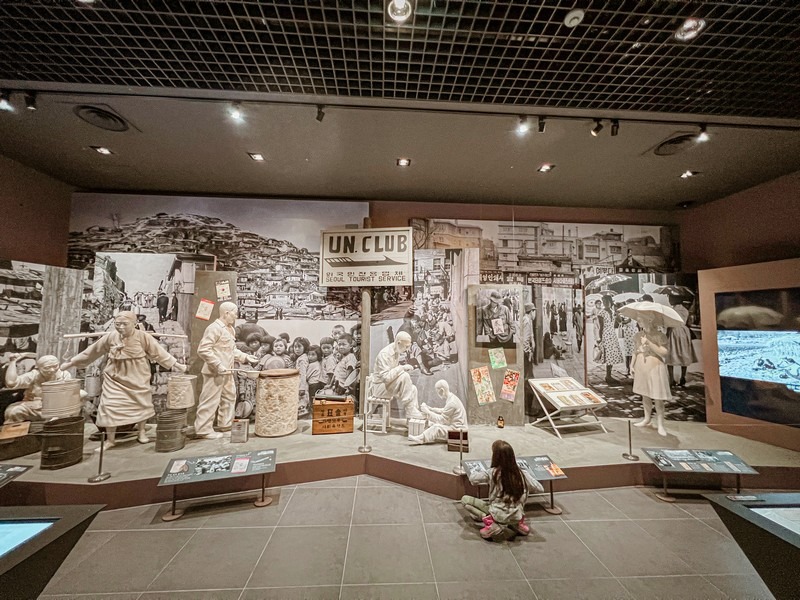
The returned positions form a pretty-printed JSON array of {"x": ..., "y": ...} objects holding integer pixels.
[
  {"x": 366, "y": 257},
  {"x": 566, "y": 392},
  {"x": 671, "y": 460},
  {"x": 541, "y": 467},
  {"x": 9, "y": 473},
  {"x": 218, "y": 466}
]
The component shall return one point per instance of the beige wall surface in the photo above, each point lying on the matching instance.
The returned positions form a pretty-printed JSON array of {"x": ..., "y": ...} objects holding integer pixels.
[
  {"x": 35, "y": 209},
  {"x": 755, "y": 225}
]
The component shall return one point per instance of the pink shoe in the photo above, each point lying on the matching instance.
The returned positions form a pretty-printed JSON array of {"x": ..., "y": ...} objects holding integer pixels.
[
  {"x": 491, "y": 530},
  {"x": 488, "y": 520},
  {"x": 522, "y": 527}
]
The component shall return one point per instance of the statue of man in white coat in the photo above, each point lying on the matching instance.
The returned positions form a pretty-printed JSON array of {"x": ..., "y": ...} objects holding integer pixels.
[{"x": 395, "y": 377}]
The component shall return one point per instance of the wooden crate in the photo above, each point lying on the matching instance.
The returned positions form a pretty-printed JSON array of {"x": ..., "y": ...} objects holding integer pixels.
[{"x": 333, "y": 414}]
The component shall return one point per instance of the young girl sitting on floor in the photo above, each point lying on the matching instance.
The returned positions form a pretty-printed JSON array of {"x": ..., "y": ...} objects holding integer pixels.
[{"x": 509, "y": 487}]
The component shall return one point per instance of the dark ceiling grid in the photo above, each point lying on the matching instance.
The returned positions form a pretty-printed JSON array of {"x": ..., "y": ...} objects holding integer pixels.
[{"x": 515, "y": 52}]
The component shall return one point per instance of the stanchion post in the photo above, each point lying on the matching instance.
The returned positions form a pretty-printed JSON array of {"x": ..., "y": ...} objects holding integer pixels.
[
  {"x": 264, "y": 500},
  {"x": 175, "y": 512},
  {"x": 101, "y": 476},
  {"x": 364, "y": 448},
  {"x": 459, "y": 468},
  {"x": 629, "y": 455}
]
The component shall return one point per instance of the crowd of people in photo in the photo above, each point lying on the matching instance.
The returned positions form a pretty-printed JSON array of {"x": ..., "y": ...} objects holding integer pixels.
[
  {"x": 429, "y": 323},
  {"x": 330, "y": 366},
  {"x": 614, "y": 336}
]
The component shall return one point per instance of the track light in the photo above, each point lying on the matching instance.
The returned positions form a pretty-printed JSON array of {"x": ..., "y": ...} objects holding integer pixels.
[
  {"x": 30, "y": 100},
  {"x": 403, "y": 162},
  {"x": 235, "y": 111},
  {"x": 542, "y": 124},
  {"x": 101, "y": 150},
  {"x": 703, "y": 135},
  {"x": 524, "y": 126},
  {"x": 256, "y": 156},
  {"x": 5, "y": 101},
  {"x": 320, "y": 113},
  {"x": 614, "y": 127},
  {"x": 399, "y": 10},
  {"x": 546, "y": 168},
  {"x": 598, "y": 127}
]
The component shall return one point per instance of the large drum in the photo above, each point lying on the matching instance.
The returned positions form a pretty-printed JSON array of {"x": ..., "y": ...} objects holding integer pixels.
[
  {"x": 277, "y": 402},
  {"x": 180, "y": 391},
  {"x": 62, "y": 443},
  {"x": 61, "y": 399},
  {"x": 171, "y": 430}
]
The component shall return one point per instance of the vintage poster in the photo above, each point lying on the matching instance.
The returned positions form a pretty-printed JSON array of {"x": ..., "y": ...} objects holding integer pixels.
[
  {"x": 223, "y": 291},
  {"x": 497, "y": 358},
  {"x": 366, "y": 257},
  {"x": 510, "y": 382},
  {"x": 483, "y": 385},
  {"x": 205, "y": 309}
]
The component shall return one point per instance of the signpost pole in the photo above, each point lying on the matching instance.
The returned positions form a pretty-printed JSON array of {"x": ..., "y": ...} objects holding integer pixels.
[
  {"x": 175, "y": 513},
  {"x": 265, "y": 500},
  {"x": 552, "y": 509}
]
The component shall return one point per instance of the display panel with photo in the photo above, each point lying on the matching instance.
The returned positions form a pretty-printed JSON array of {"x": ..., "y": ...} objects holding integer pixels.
[
  {"x": 758, "y": 339},
  {"x": 497, "y": 313}
]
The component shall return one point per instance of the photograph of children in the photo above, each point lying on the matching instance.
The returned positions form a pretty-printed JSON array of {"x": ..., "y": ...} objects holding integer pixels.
[
  {"x": 326, "y": 354},
  {"x": 497, "y": 314}
]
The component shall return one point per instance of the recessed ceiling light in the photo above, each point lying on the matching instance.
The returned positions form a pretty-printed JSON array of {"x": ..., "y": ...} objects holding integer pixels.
[
  {"x": 574, "y": 18},
  {"x": 256, "y": 156},
  {"x": 101, "y": 150},
  {"x": 690, "y": 29},
  {"x": 686, "y": 174},
  {"x": 546, "y": 168},
  {"x": 235, "y": 111},
  {"x": 399, "y": 10},
  {"x": 403, "y": 162}
]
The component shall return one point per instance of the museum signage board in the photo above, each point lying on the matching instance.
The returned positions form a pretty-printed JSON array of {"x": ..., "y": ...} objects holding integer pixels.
[
  {"x": 366, "y": 257},
  {"x": 218, "y": 466}
]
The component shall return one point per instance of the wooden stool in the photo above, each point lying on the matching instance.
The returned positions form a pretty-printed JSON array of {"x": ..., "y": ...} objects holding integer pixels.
[{"x": 377, "y": 422}]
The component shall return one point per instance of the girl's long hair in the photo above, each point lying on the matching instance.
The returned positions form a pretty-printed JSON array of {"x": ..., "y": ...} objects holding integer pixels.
[{"x": 506, "y": 471}]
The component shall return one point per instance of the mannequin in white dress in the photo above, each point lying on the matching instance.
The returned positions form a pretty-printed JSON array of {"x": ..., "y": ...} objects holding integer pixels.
[{"x": 649, "y": 371}]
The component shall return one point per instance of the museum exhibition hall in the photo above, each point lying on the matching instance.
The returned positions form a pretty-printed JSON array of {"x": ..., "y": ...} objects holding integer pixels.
[{"x": 420, "y": 299}]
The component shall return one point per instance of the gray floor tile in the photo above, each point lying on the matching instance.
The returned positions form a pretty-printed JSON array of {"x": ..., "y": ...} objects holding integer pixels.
[
  {"x": 705, "y": 551},
  {"x": 340, "y": 482},
  {"x": 370, "y": 481},
  {"x": 214, "y": 559},
  {"x": 641, "y": 503},
  {"x": 436, "y": 509},
  {"x": 242, "y": 513},
  {"x": 627, "y": 550},
  {"x": 89, "y": 543},
  {"x": 459, "y": 554},
  {"x": 741, "y": 587},
  {"x": 193, "y": 595},
  {"x": 481, "y": 590},
  {"x": 140, "y": 555},
  {"x": 392, "y": 591},
  {"x": 552, "y": 551},
  {"x": 320, "y": 592},
  {"x": 586, "y": 506},
  {"x": 718, "y": 526},
  {"x": 116, "y": 519},
  {"x": 668, "y": 588},
  {"x": 699, "y": 508},
  {"x": 319, "y": 506},
  {"x": 402, "y": 558},
  {"x": 579, "y": 589},
  {"x": 150, "y": 517},
  {"x": 133, "y": 596},
  {"x": 302, "y": 556},
  {"x": 386, "y": 505},
  {"x": 535, "y": 511}
]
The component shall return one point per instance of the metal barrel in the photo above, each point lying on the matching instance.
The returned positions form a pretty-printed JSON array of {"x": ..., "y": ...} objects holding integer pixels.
[
  {"x": 62, "y": 443},
  {"x": 170, "y": 434},
  {"x": 180, "y": 391},
  {"x": 61, "y": 399}
]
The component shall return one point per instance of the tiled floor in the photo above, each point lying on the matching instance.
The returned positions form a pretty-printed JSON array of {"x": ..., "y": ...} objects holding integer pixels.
[{"x": 362, "y": 537}]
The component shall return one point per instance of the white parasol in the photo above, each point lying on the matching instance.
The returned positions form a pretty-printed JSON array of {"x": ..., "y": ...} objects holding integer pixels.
[{"x": 663, "y": 316}]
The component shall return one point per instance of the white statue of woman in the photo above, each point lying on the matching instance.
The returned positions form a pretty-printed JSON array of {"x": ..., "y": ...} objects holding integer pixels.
[
  {"x": 649, "y": 371},
  {"x": 126, "y": 396}
]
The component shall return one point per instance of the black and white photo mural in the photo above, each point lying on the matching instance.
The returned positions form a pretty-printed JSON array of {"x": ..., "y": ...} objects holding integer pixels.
[{"x": 285, "y": 317}]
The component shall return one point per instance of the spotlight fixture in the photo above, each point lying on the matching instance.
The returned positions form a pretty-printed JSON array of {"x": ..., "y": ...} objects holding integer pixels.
[
  {"x": 235, "y": 111},
  {"x": 399, "y": 10},
  {"x": 703, "y": 135},
  {"x": 542, "y": 124},
  {"x": 5, "y": 101},
  {"x": 256, "y": 156},
  {"x": 614, "y": 127},
  {"x": 690, "y": 29},
  {"x": 598, "y": 127},
  {"x": 101, "y": 150},
  {"x": 403, "y": 162},
  {"x": 546, "y": 168},
  {"x": 320, "y": 113},
  {"x": 524, "y": 126},
  {"x": 30, "y": 100},
  {"x": 686, "y": 174}
]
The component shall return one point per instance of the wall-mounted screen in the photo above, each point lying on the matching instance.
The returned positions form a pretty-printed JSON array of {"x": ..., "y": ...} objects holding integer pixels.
[
  {"x": 15, "y": 533},
  {"x": 758, "y": 336}
]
